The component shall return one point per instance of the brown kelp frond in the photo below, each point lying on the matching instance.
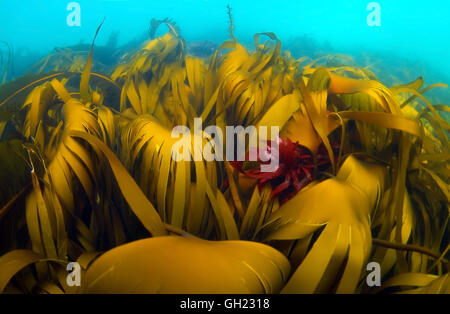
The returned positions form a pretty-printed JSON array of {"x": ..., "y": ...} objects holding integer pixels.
[
  {"x": 27, "y": 86},
  {"x": 251, "y": 82},
  {"x": 155, "y": 23},
  {"x": 138, "y": 203},
  {"x": 363, "y": 175},
  {"x": 67, "y": 59},
  {"x": 165, "y": 167},
  {"x": 344, "y": 243},
  {"x": 68, "y": 165},
  {"x": 5, "y": 63},
  {"x": 214, "y": 267},
  {"x": 418, "y": 283},
  {"x": 14, "y": 186},
  {"x": 230, "y": 23},
  {"x": 61, "y": 60},
  {"x": 18, "y": 260},
  {"x": 146, "y": 74},
  {"x": 86, "y": 75}
]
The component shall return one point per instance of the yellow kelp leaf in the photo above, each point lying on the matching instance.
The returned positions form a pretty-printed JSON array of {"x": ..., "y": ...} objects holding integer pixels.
[
  {"x": 107, "y": 125},
  {"x": 439, "y": 286},
  {"x": 281, "y": 111},
  {"x": 421, "y": 92},
  {"x": 84, "y": 83},
  {"x": 157, "y": 155},
  {"x": 14, "y": 261},
  {"x": 413, "y": 85},
  {"x": 195, "y": 70},
  {"x": 299, "y": 129},
  {"x": 188, "y": 265},
  {"x": 64, "y": 161},
  {"x": 35, "y": 111},
  {"x": 251, "y": 82},
  {"x": 274, "y": 52},
  {"x": 29, "y": 86},
  {"x": 381, "y": 218},
  {"x": 418, "y": 283},
  {"x": 385, "y": 120},
  {"x": 383, "y": 96},
  {"x": 147, "y": 74},
  {"x": 133, "y": 97},
  {"x": 151, "y": 57},
  {"x": 39, "y": 101},
  {"x": 429, "y": 106},
  {"x": 258, "y": 211},
  {"x": 360, "y": 73},
  {"x": 2, "y": 127},
  {"x": 252, "y": 212},
  {"x": 233, "y": 60},
  {"x": 139, "y": 204},
  {"x": 60, "y": 90},
  {"x": 443, "y": 186},
  {"x": 373, "y": 138},
  {"x": 356, "y": 172},
  {"x": 68, "y": 155},
  {"x": 410, "y": 112},
  {"x": 224, "y": 219},
  {"x": 342, "y": 206},
  {"x": 44, "y": 222},
  {"x": 315, "y": 99}
]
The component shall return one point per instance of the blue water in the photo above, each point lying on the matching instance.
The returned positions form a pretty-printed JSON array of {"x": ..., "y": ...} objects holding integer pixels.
[{"x": 410, "y": 29}]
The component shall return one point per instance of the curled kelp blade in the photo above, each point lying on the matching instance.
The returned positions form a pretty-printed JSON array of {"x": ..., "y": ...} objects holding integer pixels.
[
  {"x": 158, "y": 59},
  {"x": 387, "y": 257},
  {"x": 137, "y": 201},
  {"x": 300, "y": 129},
  {"x": 19, "y": 260},
  {"x": 20, "y": 264},
  {"x": 259, "y": 209},
  {"x": 188, "y": 265},
  {"x": 165, "y": 164},
  {"x": 12, "y": 262},
  {"x": 349, "y": 183},
  {"x": 67, "y": 165},
  {"x": 341, "y": 207},
  {"x": 250, "y": 82}
]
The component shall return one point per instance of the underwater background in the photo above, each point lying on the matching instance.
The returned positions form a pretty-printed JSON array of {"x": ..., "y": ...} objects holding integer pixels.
[
  {"x": 93, "y": 176},
  {"x": 412, "y": 40}
]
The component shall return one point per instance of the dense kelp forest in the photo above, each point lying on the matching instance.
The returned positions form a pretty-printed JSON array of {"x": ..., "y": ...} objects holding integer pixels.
[{"x": 88, "y": 174}]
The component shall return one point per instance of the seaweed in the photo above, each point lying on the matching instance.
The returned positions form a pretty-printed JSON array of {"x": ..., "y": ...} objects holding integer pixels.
[
  {"x": 155, "y": 23},
  {"x": 14, "y": 170},
  {"x": 6, "y": 66},
  {"x": 98, "y": 172},
  {"x": 10, "y": 88},
  {"x": 230, "y": 23}
]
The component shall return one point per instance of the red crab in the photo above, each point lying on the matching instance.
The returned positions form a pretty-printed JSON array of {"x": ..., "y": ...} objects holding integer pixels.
[{"x": 295, "y": 171}]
